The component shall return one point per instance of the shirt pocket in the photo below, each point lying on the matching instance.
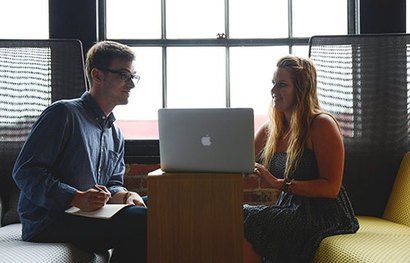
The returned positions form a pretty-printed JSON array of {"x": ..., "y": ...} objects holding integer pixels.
[{"x": 109, "y": 163}]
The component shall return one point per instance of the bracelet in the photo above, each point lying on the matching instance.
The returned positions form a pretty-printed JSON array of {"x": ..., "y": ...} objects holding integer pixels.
[
  {"x": 286, "y": 185},
  {"x": 126, "y": 197}
]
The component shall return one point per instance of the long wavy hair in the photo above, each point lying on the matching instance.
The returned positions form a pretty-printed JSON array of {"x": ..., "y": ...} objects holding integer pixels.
[{"x": 303, "y": 75}]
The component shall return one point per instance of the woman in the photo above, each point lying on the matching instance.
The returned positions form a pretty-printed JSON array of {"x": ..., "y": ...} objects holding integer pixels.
[{"x": 301, "y": 152}]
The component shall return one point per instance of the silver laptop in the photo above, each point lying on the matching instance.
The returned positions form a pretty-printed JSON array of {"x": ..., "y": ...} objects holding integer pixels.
[{"x": 207, "y": 140}]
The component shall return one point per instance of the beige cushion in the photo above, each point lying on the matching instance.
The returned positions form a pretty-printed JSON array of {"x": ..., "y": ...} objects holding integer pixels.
[
  {"x": 398, "y": 206},
  {"x": 377, "y": 241}
]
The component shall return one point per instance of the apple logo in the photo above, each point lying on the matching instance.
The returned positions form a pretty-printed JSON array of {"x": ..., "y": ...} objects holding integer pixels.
[{"x": 206, "y": 140}]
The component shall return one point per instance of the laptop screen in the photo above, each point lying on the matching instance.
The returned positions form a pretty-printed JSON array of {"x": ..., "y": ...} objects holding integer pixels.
[{"x": 207, "y": 140}]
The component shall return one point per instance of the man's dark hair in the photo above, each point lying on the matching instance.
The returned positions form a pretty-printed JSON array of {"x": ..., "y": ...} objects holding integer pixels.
[{"x": 103, "y": 53}]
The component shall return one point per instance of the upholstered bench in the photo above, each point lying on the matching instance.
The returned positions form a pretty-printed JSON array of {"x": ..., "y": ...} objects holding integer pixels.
[
  {"x": 14, "y": 249},
  {"x": 379, "y": 240}
]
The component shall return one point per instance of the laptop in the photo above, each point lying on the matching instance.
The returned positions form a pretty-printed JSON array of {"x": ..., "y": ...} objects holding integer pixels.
[{"x": 207, "y": 140}]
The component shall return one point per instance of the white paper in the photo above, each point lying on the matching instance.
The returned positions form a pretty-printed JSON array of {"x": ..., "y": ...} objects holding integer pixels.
[{"x": 105, "y": 212}]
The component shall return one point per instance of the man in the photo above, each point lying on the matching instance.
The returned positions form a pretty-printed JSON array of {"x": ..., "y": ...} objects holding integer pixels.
[{"x": 74, "y": 157}]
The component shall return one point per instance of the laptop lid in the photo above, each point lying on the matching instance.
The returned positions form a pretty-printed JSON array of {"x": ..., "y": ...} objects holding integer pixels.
[{"x": 207, "y": 140}]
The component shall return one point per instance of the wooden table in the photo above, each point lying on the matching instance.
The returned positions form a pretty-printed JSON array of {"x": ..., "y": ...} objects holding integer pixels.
[{"x": 195, "y": 217}]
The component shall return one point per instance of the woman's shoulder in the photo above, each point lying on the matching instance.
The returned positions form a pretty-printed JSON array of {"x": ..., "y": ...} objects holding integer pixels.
[
  {"x": 324, "y": 119},
  {"x": 324, "y": 123},
  {"x": 263, "y": 129}
]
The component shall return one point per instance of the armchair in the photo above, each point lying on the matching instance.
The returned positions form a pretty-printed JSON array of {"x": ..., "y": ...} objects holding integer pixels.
[
  {"x": 33, "y": 74},
  {"x": 363, "y": 80}
]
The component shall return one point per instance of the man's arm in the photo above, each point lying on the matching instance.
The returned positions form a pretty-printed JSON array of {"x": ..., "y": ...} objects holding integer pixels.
[
  {"x": 128, "y": 197},
  {"x": 92, "y": 199},
  {"x": 32, "y": 170},
  {"x": 120, "y": 195}
]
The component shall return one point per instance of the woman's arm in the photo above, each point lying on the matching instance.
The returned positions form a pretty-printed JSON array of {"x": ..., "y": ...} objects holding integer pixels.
[
  {"x": 269, "y": 178},
  {"x": 261, "y": 137},
  {"x": 327, "y": 143},
  {"x": 260, "y": 142}
]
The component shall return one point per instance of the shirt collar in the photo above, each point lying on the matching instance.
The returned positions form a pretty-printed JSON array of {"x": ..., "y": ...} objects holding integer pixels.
[{"x": 97, "y": 113}]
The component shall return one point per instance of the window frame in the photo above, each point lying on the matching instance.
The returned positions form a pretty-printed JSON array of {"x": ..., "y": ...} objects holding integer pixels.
[{"x": 135, "y": 147}]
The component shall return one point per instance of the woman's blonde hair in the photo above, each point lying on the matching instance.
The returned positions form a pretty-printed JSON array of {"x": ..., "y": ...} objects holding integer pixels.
[{"x": 303, "y": 75}]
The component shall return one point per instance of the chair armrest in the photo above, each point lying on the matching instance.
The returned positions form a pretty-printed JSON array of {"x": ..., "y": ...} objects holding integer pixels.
[{"x": 398, "y": 207}]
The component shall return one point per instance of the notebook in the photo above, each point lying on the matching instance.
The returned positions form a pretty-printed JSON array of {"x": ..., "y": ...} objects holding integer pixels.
[{"x": 207, "y": 140}]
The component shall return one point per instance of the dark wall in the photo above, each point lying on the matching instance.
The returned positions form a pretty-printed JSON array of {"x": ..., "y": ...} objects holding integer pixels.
[
  {"x": 382, "y": 16},
  {"x": 377, "y": 16},
  {"x": 74, "y": 19}
]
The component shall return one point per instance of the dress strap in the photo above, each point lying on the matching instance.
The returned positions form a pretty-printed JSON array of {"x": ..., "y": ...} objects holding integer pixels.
[{"x": 314, "y": 118}]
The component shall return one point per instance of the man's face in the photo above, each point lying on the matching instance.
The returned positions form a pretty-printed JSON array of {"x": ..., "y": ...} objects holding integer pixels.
[{"x": 117, "y": 83}]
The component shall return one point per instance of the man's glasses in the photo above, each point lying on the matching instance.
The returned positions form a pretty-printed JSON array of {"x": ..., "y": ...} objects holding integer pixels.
[{"x": 124, "y": 75}]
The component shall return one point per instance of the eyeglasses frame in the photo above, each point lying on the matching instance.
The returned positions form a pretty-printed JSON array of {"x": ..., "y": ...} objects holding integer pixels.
[{"x": 134, "y": 77}]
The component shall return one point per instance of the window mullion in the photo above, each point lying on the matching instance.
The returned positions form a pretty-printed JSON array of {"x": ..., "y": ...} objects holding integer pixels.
[
  {"x": 228, "y": 78},
  {"x": 290, "y": 23},
  {"x": 227, "y": 19},
  {"x": 164, "y": 54},
  {"x": 102, "y": 21},
  {"x": 227, "y": 57},
  {"x": 164, "y": 77},
  {"x": 163, "y": 20},
  {"x": 290, "y": 19},
  {"x": 353, "y": 17}
]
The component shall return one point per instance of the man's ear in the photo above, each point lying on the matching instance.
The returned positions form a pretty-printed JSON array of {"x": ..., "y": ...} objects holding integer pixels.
[{"x": 97, "y": 75}]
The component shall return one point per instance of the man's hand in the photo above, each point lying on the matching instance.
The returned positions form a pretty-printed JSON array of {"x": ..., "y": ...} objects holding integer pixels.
[
  {"x": 134, "y": 199},
  {"x": 92, "y": 199}
]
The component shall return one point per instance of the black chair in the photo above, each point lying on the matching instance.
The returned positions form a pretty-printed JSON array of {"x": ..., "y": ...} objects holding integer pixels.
[
  {"x": 363, "y": 82},
  {"x": 33, "y": 74}
]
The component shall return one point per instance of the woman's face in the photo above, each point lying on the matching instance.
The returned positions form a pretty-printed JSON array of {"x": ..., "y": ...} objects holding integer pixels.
[{"x": 283, "y": 91}]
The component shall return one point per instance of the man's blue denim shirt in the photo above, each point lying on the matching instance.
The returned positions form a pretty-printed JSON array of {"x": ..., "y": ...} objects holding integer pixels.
[{"x": 72, "y": 146}]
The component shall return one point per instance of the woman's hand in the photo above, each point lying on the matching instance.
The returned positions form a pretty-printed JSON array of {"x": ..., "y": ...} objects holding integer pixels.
[{"x": 269, "y": 178}]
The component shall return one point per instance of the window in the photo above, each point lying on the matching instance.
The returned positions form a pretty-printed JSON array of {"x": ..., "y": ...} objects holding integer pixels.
[
  {"x": 211, "y": 53},
  {"x": 20, "y": 67},
  {"x": 24, "y": 19}
]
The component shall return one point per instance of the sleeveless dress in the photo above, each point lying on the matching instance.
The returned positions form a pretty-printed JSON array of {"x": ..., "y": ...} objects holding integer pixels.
[{"x": 291, "y": 230}]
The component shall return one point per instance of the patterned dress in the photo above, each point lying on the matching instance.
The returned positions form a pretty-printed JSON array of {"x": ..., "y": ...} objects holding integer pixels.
[{"x": 291, "y": 230}]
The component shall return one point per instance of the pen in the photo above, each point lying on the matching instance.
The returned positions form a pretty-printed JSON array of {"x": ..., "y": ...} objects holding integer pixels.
[{"x": 98, "y": 188}]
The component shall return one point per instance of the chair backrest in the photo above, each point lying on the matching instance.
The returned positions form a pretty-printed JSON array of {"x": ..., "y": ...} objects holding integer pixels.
[
  {"x": 362, "y": 81},
  {"x": 33, "y": 74},
  {"x": 398, "y": 206}
]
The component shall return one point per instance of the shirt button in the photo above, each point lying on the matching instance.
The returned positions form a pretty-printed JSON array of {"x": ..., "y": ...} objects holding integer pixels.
[
  {"x": 103, "y": 117},
  {"x": 99, "y": 170},
  {"x": 102, "y": 150}
]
